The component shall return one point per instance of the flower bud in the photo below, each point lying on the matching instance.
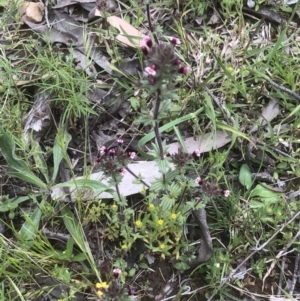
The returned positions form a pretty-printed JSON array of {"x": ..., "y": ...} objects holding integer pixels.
[
  {"x": 147, "y": 41},
  {"x": 184, "y": 70},
  {"x": 175, "y": 41},
  {"x": 145, "y": 50}
]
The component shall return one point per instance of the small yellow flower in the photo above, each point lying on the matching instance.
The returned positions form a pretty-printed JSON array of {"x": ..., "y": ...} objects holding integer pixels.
[
  {"x": 138, "y": 223},
  {"x": 160, "y": 222},
  {"x": 173, "y": 216},
  {"x": 105, "y": 285},
  {"x": 102, "y": 285},
  {"x": 162, "y": 246},
  {"x": 124, "y": 247},
  {"x": 151, "y": 206},
  {"x": 99, "y": 293},
  {"x": 114, "y": 207}
]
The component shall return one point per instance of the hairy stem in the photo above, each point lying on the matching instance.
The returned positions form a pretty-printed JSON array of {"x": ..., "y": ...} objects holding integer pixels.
[
  {"x": 156, "y": 129},
  {"x": 156, "y": 125},
  {"x": 131, "y": 172},
  {"x": 150, "y": 24}
]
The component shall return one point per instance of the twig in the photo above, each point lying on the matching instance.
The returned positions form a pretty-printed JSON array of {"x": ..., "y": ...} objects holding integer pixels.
[
  {"x": 296, "y": 274},
  {"x": 281, "y": 278},
  {"x": 221, "y": 107},
  {"x": 284, "y": 89},
  {"x": 46, "y": 14},
  {"x": 55, "y": 235}
]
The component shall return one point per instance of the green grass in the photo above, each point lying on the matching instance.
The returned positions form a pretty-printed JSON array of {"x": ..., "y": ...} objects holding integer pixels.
[{"x": 256, "y": 222}]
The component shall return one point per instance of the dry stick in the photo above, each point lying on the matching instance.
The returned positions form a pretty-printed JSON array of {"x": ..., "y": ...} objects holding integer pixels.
[
  {"x": 281, "y": 278},
  {"x": 221, "y": 107},
  {"x": 284, "y": 89},
  {"x": 226, "y": 279},
  {"x": 281, "y": 253},
  {"x": 150, "y": 23},
  {"x": 296, "y": 274}
]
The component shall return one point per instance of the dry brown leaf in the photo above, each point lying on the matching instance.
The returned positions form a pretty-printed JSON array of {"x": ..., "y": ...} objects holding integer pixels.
[
  {"x": 32, "y": 12},
  {"x": 129, "y": 35}
]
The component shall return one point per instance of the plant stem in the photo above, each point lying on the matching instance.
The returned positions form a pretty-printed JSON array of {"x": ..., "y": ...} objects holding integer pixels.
[
  {"x": 131, "y": 172},
  {"x": 117, "y": 189},
  {"x": 156, "y": 125},
  {"x": 156, "y": 128},
  {"x": 150, "y": 24}
]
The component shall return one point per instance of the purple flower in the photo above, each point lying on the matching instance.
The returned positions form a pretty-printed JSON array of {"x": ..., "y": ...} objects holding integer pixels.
[
  {"x": 152, "y": 81},
  {"x": 112, "y": 151},
  {"x": 225, "y": 192},
  {"x": 184, "y": 70},
  {"x": 145, "y": 50},
  {"x": 97, "y": 159},
  {"x": 147, "y": 41},
  {"x": 149, "y": 71},
  {"x": 131, "y": 155},
  {"x": 131, "y": 292},
  {"x": 177, "y": 62},
  {"x": 116, "y": 272},
  {"x": 103, "y": 150},
  {"x": 175, "y": 41},
  {"x": 199, "y": 181},
  {"x": 196, "y": 153},
  {"x": 123, "y": 171},
  {"x": 120, "y": 141}
]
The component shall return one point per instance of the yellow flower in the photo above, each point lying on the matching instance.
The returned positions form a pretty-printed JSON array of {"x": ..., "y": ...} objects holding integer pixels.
[
  {"x": 151, "y": 206},
  {"x": 114, "y": 207},
  {"x": 173, "y": 216},
  {"x": 160, "y": 222},
  {"x": 162, "y": 246},
  {"x": 99, "y": 293},
  {"x": 138, "y": 223},
  {"x": 124, "y": 247},
  {"x": 102, "y": 285}
]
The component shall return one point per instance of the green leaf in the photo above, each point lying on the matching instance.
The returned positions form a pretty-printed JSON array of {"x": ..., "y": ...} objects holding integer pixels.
[
  {"x": 143, "y": 265},
  {"x": 76, "y": 231},
  {"x": 12, "y": 204},
  {"x": 31, "y": 226},
  {"x": 61, "y": 143},
  {"x": 40, "y": 162},
  {"x": 96, "y": 186},
  {"x": 167, "y": 126},
  {"x": 245, "y": 176},
  {"x": 7, "y": 147},
  {"x": 263, "y": 192}
]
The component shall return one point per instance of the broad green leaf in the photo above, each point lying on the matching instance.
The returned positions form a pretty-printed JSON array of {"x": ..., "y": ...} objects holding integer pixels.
[
  {"x": 12, "y": 204},
  {"x": 40, "y": 162},
  {"x": 31, "y": 225},
  {"x": 7, "y": 147},
  {"x": 96, "y": 186},
  {"x": 76, "y": 231},
  {"x": 61, "y": 143},
  {"x": 245, "y": 176},
  {"x": 263, "y": 192},
  {"x": 231, "y": 129}
]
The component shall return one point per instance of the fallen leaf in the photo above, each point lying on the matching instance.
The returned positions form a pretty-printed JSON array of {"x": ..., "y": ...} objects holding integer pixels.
[
  {"x": 268, "y": 114},
  {"x": 128, "y": 34},
  {"x": 203, "y": 143},
  {"x": 32, "y": 12}
]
